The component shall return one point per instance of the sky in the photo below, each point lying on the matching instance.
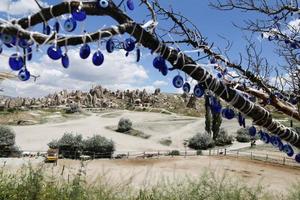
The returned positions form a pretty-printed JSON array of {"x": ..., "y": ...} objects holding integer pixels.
[{"x": 119, "y": 71}]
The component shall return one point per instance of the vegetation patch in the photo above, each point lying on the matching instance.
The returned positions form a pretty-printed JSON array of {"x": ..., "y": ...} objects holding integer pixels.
[
  {"x": 125, "y": 127},
  {"x": 166, "y": 141}
]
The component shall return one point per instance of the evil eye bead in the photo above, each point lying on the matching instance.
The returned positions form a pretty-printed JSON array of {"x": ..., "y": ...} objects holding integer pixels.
[
  {"x": 129, "y": 44},
  {"x": 138, "y": 55},
  {"x": 110, "y": 46},
  {"x": 54, "y": 52},
  {"x": 266, "y": 138},
  {"x": 276, "y": 142},
  {"x": 178, "y": 81},
  {"x": 79, "y": 15},
  {"x": 186, "y": 87},
  {"x": 1, "y": 49},
  {"x": 24, "y": 75},
  {"x": 130, "y": 4},
  {"x": 213, "y": 61},
  {"x": 16, "y": 62},
  {"x": 46, "y": 29},
  {"x": 6, "y": 39},
  {"x": 56, "y": 26},
  {"x": 159, "y": 62},
  {"x": 98, "y": 58},
  {"x": 85, "y": 51},
  {"x": 164, "y": 70},
  {"x": 70, "y": 25},
  {"x": 228, "y": 113},
  {"x": 297, "y": 158},
  {"x": 252, "y": 131},
  {"x": 65, "y": 61},
  {"x": 219, "y": 75},
  {"x": 29, "y": 53},
  {"x": 103, "y": 3},
  {"x": 288, "y": 150},
  {"x": 198, "y": 91},
  {"x": 23, "y": 43}
]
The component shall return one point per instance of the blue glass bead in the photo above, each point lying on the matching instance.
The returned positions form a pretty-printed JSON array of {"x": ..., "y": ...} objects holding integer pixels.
[
  {"x": 23, "y": 43},
  {"x": 219, "y": 75},
  {"x": 252, "y": 131},
  {"x": 85, "y": 51},
  {"x": 213, "y": 61},
  {"x": 70, "y": 25},
  {"x": 228, "y": 113},
  {"x": 186, "y": 87},
  {"x": 164, "y": 70},
  {"x": 54, "y": 53},
  {"x": 24, "y": 75},
  {"x": 7, "y": 39},
  {"x": 288, "y": 150},
  {"x": 46, "y": 29},
  {"x": 98, "y": 58},
  {"x": 159, "y": 62},
  {"x": 266, "y": 138},
  {"x": 110, "y": 46},
  {"x": 65, "y": 60},
  {"x": 79, "y": 15},
  {"x": 276, "y": 142},
  {"x": 1, "y": 50},
  {"x": 16, "y": 62},
  {"x": 129, "y": 44},
  {"x": 138, "y": 55},
  {"x": 56, "y": 26},
  {"x": 297, "y": 158},
  {"x": 293, "y": 45},
  {"x": 103, "y": 3},
  {"x": 29, "y": 53},
  {"x": 130, "y": 4},
  {"x": 198, "y": 91},
  {"x": 178, "y": 81},
  {"x": 294, "y": 101}
]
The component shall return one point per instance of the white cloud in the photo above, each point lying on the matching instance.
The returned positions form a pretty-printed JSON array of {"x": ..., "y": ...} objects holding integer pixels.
[
  {"x": 117, "y": 72},
  {"x": 160, "y": 83},
  {"x": 20, "y": 7}
]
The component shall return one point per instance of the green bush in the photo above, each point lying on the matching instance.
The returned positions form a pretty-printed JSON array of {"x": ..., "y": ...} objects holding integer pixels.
[
  {"x": 7, "y": 143},
  {"x": 124, "y": 125},
  {"x": 243, "y": 135},
  {"x": 73, "y": 146},
  {"x": 223, "y": 138},
  {"x": 174, "y": 153},
  {"x": 201, "y": 142},
  {"x": 98, "y": 147}
]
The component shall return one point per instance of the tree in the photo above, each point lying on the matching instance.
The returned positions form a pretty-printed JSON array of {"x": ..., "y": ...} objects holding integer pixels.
[
  {"x": 228, "y": 87},
  {"x": 207, "y": 115},
  {"x": 98, "y": 147},
  {"x": 7, "y": 142},
  {"x": 124, "y": 125}
]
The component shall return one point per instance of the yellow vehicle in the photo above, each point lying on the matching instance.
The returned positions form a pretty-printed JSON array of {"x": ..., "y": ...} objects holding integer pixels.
[{"x": 52, "y": 155}]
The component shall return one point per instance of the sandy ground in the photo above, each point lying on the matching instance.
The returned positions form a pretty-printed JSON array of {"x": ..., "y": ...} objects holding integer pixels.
[
  {"x": 178, "y": 128},
  {"x": 145, "y": 172}
]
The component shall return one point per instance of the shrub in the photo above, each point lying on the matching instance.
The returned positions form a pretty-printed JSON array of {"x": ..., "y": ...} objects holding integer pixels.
[
  {"x": 199, "y": 152},
  {"x": 74, "y": 108},
  {"x": 166, "y": 141},
  {"x": 174, "y": 153},
  {"x": 7, "y": 142},
  {"x": 223, "y": 138},
  {"x": 98, "y": 147},
  {"x": 124, "y": 125},
  {"x": 201, "y": 141},
  {"x": 243, "y": 135}
]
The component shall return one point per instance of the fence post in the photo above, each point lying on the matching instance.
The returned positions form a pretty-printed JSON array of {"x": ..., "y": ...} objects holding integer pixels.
[
  {"x": 209, "y": 152},
  {"x": 158, "y": 154},
  {"x": 128, "y": 155},
  {"x": 225, "y": 151},
  {"x": 283, "y": 160},
  {"x": 237, "y": 153},
  {"x": 251, "y": 155},
  {"x": 217, "y": 151},
  {"x": 267, "y": 157}
]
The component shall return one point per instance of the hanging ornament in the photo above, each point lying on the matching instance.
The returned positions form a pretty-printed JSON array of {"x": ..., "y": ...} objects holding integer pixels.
[
  {"x": 130, "y": 4},
  {"x": 198, "y": 91},
  {"x": 79, "y": 14},
  {"x": 129, "y": 45},
  {"x": 264, "y": 137},
  {"x": 110, "y": 45},
  {"x": 85, "y": 51},
  {"x": 178, "y": 81},
  {"x": 70, "y": 25},
  {"x": 16, "y": 62},
  {"x": 8, "y": 40},
  {"x": 252, "y": 131},
  {"x": 138, "y": 55},
  {"x": 24, "y": 75},
  {"x": 54, "y": 52},
  {"x": 219, "y": 75},
  {"x": 23, "y": 43},
  {"x": 186, "y": 87},
  {"x": 29, "y": 53},
  {"x": 103, "y": 3},
  {"x": 228, "y": 113},
  {"x": 1, "y": 49},
  {"x": 56, "y": 27},
  {"x": 46, "y": 29},
  {"x": 98, "y": 58},
  {"x": 276, "y": 142},
  {"x": 159, "y": 62},
  {"x": 65, "y": 60},
  {"x": 213, "y": 61},
  {"x": 288, "y": 150},
  {"x": 164, "y": 70}
]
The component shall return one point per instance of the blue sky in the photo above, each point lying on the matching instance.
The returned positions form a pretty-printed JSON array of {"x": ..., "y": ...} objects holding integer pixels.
[{"x": 82, "y": 75}]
